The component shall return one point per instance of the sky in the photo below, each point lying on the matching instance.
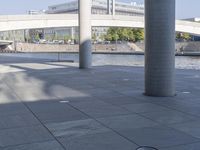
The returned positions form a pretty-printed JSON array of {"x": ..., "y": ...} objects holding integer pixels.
[{"x": 184, "y": 8}]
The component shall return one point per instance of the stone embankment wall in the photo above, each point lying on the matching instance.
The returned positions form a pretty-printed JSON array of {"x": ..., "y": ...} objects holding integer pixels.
[
  {"x": 188, "y": 46},
  {"x": 128, "y": 47},
  {"x": 180, "y": 46},
  {"x": 27, "y": 47}
]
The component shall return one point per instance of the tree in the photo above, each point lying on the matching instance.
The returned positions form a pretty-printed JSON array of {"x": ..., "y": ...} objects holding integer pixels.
[
  {"x": 183, "y": 36},
  {"x": 111, "y": 34},
  {"x": 124, "y": 34},
  {"x": 37, "y": 37},
  {"x": 94, "y": 37},
  {"x": 102, "y": 37},
  {"x": 139, "y": 34},
  {"x": 131, "y": 35}
]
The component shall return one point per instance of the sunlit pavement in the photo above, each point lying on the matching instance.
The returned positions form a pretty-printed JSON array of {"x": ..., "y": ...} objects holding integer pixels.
[{"x": 46, "y": 105}]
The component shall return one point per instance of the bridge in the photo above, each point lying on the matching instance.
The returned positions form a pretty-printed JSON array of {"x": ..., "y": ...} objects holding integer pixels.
[
  {"x": 20, "y": 22},
  {"x": 4, "y": 44}
]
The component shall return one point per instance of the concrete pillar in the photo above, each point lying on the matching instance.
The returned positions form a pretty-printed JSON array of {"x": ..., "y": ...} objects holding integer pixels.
[
  {"x": 24, "y": 35},
  {"x": 85, "y": 47},
  {"x": 113, "y": 7},
  {"x": 160, "y": 48},
  {"x": 72, "y": 33},
  {"x": 108, "y": 7}
]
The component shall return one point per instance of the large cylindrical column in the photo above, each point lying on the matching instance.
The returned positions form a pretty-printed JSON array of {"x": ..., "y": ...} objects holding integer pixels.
[
  {"x": 85, "y": 48},
  {"x": 160, "y": 47}
]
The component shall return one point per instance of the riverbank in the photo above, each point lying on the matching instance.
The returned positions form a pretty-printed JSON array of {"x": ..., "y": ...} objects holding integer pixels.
[
  {"x": 182, "y": 48},
  {"x": 124, "y": 53}
]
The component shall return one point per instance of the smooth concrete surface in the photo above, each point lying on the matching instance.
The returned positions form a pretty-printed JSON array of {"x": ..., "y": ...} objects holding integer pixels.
[
  {"x": 108, "y": 7},
  {"x": 160, "y": 48},
  {"x": 85, "y": 34},
  {"x": 72, "y": 33},
  {"x": 21, "y": 22},
  {"x": 113, "y": 7},
  {"x": 47, "y": 105}
]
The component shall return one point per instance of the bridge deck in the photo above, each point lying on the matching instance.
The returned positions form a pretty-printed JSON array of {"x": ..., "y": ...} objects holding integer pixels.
[
  {"x": 20, "y": 22},
  {"x": 46, "y": 106}
]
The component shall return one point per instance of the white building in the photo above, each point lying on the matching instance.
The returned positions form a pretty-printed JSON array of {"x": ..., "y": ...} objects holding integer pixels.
[
  {"x": 193, "y": 19},
  {"x": 100, "y": 7},
  {"x": 36, "y": 12}
]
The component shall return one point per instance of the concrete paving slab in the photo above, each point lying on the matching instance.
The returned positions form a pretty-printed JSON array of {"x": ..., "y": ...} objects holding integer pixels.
[
  {"x": 125, "y": 122},
  {"x": 55, "y": 111},
  {"x": 33, "y": 93},
  {"x": 194, "y": 146},
  {"x": 122, "y": 100},
  {"x": 98, "y": 109},
  {"x": 48, "y": 145},
  {"x": 191, "y": 128},
  {"x": 13, "y": 108},
  {"x": 16, "y": 121},
  {"x": 76, "y": 128},
  {"x": 24, "y": 135},
  {"x": 61, "y": 116},
  {"x": 103, "y": 93},
  {"x": 48, "y": 106},
  {"x": 101, "y": 141},
  {"x": 169, "y": 117},
  {"x": 144, "y": 107},
  {"x": 158, "y": 136}
]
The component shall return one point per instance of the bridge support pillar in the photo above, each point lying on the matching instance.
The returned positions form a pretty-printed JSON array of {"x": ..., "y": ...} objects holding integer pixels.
[
  {"x": 108, "y": 7},
  {"x": 85, "y": 47},
  {"x": 72, "y": 33},
  {"x": 113, "y": 7},
  {"x": 160, "y": 48}
]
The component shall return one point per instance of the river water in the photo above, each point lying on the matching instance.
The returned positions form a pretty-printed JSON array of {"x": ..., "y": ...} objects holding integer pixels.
[{"x": 182, "y": 62}]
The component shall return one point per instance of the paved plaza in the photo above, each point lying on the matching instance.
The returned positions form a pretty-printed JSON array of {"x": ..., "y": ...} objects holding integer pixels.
[{"x": 47, "y": 105}]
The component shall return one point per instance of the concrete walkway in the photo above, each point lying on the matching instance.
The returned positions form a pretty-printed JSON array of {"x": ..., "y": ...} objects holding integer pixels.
[{"x": 55, "y": 106}]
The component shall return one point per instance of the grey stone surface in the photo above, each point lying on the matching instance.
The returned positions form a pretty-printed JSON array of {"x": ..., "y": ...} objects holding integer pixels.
[
  {"x": 127, "y": 122},
  {"x": 191, "y": 128},
  {"x": 168, "y": 117},
  {"x": 103, "y": 93},
  {"x": 61, "y": 116},
  {"x": 158, "y": 136},
  {"x": 144, "y": 107},
  {"x": 101, "y": 141},
  {"x": 108, "y": 110},
  {"x": 76, "y": 128},
  {"x": 194, "y": 146},
  {"x": 121, "y": 100},
  {"x": 48, "y": 145},
  {"x": 99, "y": 109},
  {"x": 15, "y": 121},
  {"x": 19, "y": 136},
  {"x": 5, "y": 97},
  {"x": 13, "y": 108},
  {"x": 55, "y": 111}
]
